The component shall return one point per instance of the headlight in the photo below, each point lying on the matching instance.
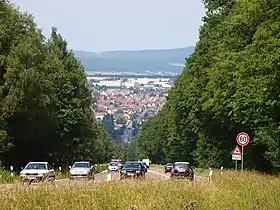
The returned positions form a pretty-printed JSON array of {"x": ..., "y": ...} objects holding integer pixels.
[
  {"x": 138, "y": 171},
  {"x": 123, "y": 172},
  {"x": 42, "y": 174}
]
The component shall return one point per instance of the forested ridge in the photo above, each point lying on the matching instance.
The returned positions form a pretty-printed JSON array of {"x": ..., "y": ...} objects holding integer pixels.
[
  {"x": 231, "y": 83},
  {"x": 45, "y": 103}
]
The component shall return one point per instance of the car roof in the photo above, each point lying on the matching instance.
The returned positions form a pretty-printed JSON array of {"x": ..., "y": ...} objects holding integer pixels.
[
  {"x": 181, "y": 163},
  {"x": 82, "y": 162},
  {"x": 133, "y": 162},
  {"x": 37, "y": 162}
]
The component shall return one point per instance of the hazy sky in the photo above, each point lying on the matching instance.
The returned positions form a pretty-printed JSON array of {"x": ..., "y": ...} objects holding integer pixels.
[{"x": 99, "y": 25}]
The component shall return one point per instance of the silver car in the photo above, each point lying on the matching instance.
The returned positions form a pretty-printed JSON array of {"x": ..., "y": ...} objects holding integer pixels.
[
  {"x": 182, "y": 169},
  {"x": 81, "y": 169},
  {"x": 37, "y": 172}
]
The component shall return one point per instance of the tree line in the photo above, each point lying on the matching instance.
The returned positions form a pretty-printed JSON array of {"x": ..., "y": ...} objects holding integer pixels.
[
  {"x": 46, "y": 107},
  {"x": 230, "y": 84}
]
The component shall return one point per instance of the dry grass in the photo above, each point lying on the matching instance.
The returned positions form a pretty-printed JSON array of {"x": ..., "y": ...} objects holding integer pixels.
[{"x": 232, "y": 190}]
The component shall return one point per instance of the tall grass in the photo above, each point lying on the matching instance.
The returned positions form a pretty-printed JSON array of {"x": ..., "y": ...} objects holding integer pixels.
[
  {"x": 6, "y": 177},
  {"x": 234, "y": 190}
]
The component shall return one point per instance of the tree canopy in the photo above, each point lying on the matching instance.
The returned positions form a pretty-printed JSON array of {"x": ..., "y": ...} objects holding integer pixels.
[
  {"x": 46, "y": 108},
  {"x": 230, "y": 84}
]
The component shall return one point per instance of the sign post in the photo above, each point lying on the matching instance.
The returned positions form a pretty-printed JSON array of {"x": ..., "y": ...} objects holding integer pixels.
[
  {"x": 236, "y": 155},
  {"x": 243, "y": 140}
]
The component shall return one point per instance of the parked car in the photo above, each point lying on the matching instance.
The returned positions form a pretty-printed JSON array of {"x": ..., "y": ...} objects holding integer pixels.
[
  {"x": 113, "y": 166},
  {"x": 81, "y": 169},
  {"x": 37, "y": 172},
  {"x": 168, "y": 167},
  {"x": 132, "y": 169},
  {"x": 182, "y": 169}
]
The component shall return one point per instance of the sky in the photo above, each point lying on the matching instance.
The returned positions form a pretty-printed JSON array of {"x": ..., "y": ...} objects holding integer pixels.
[{"x": 103, "y": 25}]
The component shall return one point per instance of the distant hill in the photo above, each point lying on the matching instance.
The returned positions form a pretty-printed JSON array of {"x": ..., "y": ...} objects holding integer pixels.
[{"x": 166, "y": 60}]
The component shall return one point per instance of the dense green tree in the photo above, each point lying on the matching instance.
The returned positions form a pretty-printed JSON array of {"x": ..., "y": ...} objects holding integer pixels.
[
  {"x": 230, "y": 84},
  {"x": 46, "y": 107}
]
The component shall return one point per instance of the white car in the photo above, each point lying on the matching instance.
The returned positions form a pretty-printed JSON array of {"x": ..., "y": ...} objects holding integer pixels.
[
  {"x": 37, "y": 171},
  {"x": 81, "y": 169},
  {"x": 113, "y": 166}
]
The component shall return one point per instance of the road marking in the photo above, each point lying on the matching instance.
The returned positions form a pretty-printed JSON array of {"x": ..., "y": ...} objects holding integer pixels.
[{"x": 167, "y": 177}]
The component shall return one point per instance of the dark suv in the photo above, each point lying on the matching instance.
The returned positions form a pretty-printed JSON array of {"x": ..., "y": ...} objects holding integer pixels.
[
  {"x": 132, "y": 169},
  {"x": 182, "y": 169},
  {"x": 168, "y": 167}
]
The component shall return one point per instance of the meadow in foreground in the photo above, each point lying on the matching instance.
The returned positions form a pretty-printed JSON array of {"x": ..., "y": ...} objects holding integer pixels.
[{"x": 232, "y": 190}]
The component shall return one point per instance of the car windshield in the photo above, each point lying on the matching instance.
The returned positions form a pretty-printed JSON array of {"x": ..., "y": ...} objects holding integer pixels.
[
  {"x": 181, "y": 165},
  {"x": 81, "y": 165},
  {"x": 132, "y": 165},
  {"x": 38, "y": 166},
  {"x": 113, "y": 164}
]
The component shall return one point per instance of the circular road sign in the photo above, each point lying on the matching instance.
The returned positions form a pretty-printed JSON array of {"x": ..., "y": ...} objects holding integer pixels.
[{"x": 243, "y": 139}]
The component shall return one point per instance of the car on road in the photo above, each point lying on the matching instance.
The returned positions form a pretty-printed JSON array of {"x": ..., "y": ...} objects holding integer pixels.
[
  {"x": 119, "y": 161},
  {"x": 147, "y": 161},
  {"x": 113, "y": 166},
  {"x": 37, "y": 172},
  {"x": 168, "y": 167},
  {"x": 145, "y": 166},
  {"x": 132, "y": 169},
  {"x": 182, "y": 169},
  {"x": 81, "y": 169}
]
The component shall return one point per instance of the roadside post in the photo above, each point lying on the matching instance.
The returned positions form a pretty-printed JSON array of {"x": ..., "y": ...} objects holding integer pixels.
[
  {"x": 12, "y": 171},
  {"x": 243, "y": 140},
  {"x": 109, "y": 177},
  {"x": 236, "y": 155},
  {"x": 210, "y": 174}
]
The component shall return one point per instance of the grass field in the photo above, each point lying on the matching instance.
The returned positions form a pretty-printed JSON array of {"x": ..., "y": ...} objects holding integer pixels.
[{"x": 233, "y": 190}]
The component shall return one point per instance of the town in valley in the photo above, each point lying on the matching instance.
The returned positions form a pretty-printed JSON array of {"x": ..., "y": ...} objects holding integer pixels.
[{"x": 124, "y": 102}]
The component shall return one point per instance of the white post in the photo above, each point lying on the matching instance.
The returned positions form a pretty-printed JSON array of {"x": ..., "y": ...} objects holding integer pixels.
[
  {"x": 222, "y": 169},
  {"x": 242, "y": 158},
  {"x": 109, "y": 177},
  {"x": 210, "y": 174},
  {"x": 12, "y": 169}
]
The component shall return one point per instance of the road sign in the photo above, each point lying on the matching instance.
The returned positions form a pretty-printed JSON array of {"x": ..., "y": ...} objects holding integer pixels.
[
  {"x": 236, "y": 151},
  {"x": 243, "y": 139},
  {"x": 236, "y": 157}
]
